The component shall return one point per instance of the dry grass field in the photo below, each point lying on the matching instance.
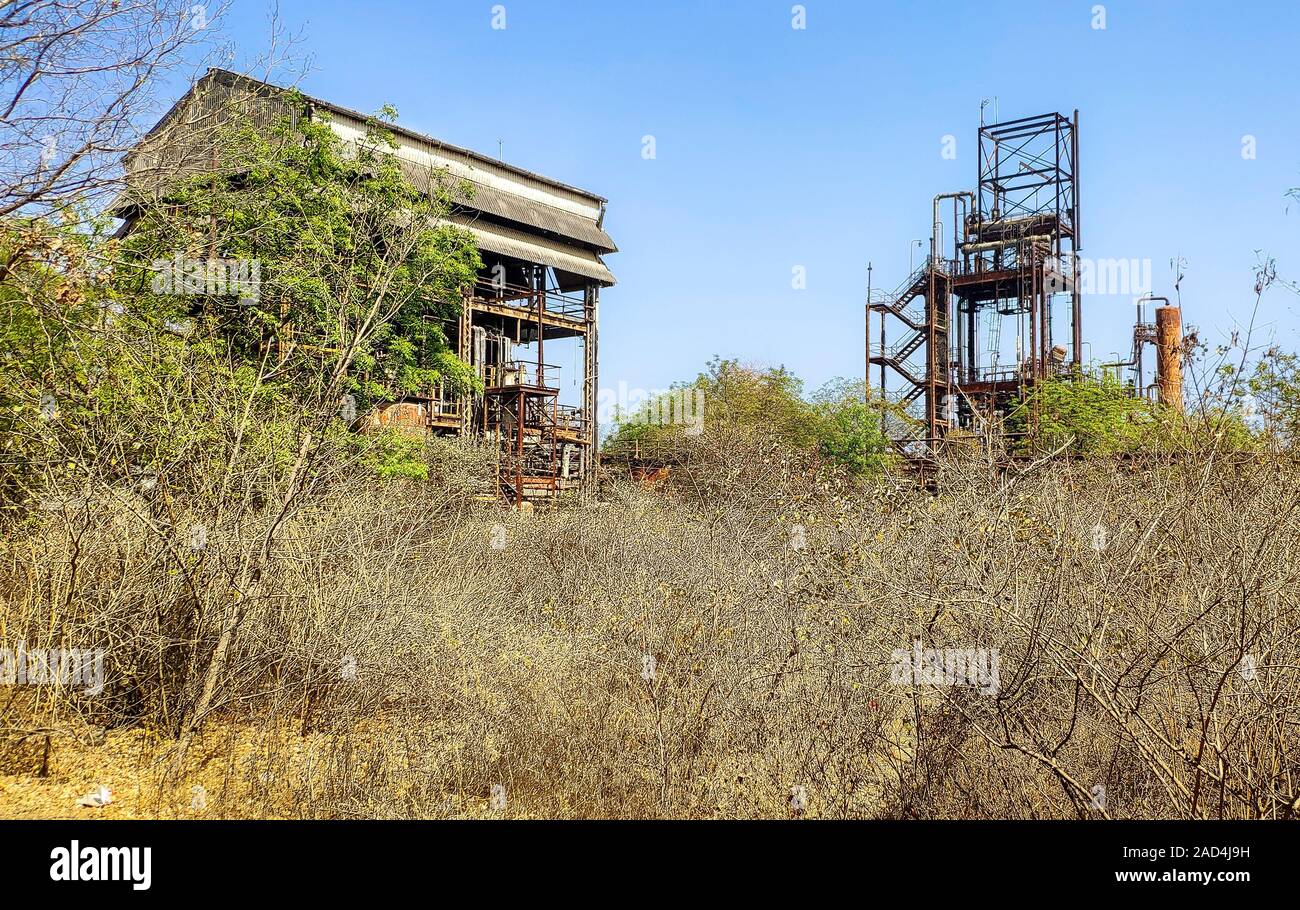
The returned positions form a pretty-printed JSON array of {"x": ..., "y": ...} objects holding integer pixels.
[{"x": 724, "y": 646}]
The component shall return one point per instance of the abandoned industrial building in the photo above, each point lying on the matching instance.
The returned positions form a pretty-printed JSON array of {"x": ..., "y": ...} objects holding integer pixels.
[
  {"x": 541, "y": 242},
  {"x": 981, "y": 318},
  {"x": 998, "y": 256}
]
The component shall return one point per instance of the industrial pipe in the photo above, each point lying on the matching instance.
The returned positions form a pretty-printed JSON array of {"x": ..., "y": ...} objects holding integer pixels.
[
  {"x": 986, "y": 245},
  {"x": 936, "y": 227}
]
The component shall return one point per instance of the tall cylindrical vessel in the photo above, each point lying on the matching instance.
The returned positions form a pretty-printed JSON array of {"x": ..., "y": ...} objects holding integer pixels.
[{"x": 1169, "y": 356}]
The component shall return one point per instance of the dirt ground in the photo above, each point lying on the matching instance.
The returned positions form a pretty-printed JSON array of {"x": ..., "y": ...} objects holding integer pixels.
[{"x": 220, "y": 777}]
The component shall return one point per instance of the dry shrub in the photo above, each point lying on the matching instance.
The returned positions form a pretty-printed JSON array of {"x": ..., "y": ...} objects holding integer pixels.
[{"x": 722, "y": 647}]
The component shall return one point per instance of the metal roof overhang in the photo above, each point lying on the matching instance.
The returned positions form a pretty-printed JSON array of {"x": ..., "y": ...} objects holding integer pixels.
[
  {"x": 506, "y": 241},
  {"x": 510, "y": 207}
]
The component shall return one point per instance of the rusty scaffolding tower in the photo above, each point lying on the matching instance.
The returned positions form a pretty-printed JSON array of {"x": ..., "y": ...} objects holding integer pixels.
[
  {"x": 521, "y": 409},
  {"x": 1000, "y": 256}
]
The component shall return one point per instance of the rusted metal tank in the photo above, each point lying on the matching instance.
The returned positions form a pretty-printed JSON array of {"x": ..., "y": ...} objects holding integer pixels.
[{"x": 1169, "y": 356}]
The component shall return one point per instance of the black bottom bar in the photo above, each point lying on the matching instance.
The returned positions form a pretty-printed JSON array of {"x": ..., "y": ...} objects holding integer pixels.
[{"x": 977, "y": 860}]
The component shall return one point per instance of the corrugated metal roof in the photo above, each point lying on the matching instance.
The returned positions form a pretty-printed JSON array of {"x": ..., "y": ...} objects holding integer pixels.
[
  {"x": 500, "y": 190},
  {"x": 511, "y": 207},
  {"x": 509, "y": 242},
  {"x": 230, "y": 78}
]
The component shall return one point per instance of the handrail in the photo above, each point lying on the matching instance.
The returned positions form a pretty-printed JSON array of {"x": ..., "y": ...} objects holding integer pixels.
[
  {"x": 522, "y": 372},
  {"x": 910, "y": 343},
  {"x": 570, "y": 417},
  {"x": 517, "y": 297}
]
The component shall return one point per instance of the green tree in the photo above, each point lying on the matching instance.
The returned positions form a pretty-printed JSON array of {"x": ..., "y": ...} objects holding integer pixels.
[
  {"x": 1091, "y": 414},
  {"x": 213, "y": 406},
  {"x": 356, "y": 271},
  {"x": 836, "y": 422},
  {"x": 1274, "y": 387},
  {"x": 848, "y": 428}
]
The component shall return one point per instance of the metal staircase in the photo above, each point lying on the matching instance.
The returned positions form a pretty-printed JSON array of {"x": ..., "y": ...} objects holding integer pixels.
[{"x": 906, "y": 358}]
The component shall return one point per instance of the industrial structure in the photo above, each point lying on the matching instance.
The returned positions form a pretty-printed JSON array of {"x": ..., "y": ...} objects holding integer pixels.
[
  {"x": 995, "y": 306},
  {"x": 1165, "y": 334},
  {"x": 541, "y": 242}
]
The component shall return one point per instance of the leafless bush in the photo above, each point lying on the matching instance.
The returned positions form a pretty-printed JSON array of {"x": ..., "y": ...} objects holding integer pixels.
[
  {"x": 78, "y": 79},
  {"x": 724, "y": 647}
]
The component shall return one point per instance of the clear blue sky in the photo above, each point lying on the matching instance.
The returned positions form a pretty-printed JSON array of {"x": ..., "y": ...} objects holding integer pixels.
[{"x": 778, "y": 147}]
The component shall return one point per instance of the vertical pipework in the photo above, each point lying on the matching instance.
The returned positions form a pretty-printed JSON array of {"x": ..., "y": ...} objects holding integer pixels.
[
  {"x": 539, "y": 283},
  {"x": 1076, "y": 245},
  {"x": 866, "y": 344},
  {"x": 591, "y": 383},
  {"x": 1169, "y": 356}
]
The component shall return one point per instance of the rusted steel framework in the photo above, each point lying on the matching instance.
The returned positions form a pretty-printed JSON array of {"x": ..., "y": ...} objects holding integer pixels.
[
  {"x": 545, "y": 447},
  {"x": 973, "y": 326},
  {"x": 1165, "y": 334},
  {"x": 522, "y": 414}
]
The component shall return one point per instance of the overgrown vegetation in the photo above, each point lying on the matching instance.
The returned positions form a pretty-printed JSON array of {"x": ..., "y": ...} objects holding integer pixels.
[
  {"x": 317, "y": 620},
  {"x": 216, "y": 409},
  {"x": 836, "y": 423},
  {"x": 353, "y": 634},
  {"x": 1098, "y": 415},
  {"x": 1086, "y": 413},
  {"x": 354, "y": 266},
  {"x": 702, "y": 650}
]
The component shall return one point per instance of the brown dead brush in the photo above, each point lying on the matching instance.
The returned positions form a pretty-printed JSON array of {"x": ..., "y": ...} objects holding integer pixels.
[{"x": 724, "y": 647}]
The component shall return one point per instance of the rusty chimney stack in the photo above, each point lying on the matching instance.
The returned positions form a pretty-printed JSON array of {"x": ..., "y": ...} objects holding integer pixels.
[{"x": 1169, "y": 356}]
